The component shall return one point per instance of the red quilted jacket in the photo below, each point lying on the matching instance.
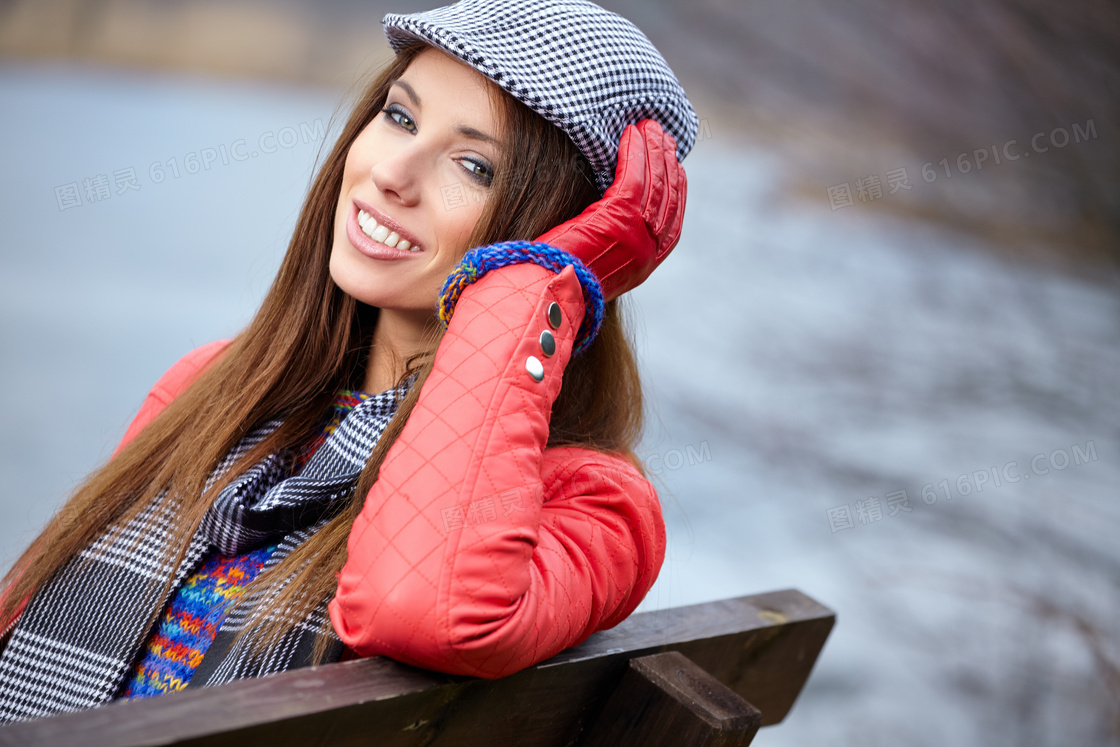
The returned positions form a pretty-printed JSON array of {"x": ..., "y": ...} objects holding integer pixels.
[{"x": 478, "y": 550}]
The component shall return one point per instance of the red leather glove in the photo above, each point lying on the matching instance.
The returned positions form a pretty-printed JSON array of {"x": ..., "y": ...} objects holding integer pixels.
[{"x": 629, "y": 231}]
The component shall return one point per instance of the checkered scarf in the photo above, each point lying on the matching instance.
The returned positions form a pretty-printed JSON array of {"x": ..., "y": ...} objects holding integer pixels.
[{"x": 80, "y": 635}]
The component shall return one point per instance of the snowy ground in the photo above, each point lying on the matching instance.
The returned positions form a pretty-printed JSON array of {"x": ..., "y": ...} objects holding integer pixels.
[{"x": 798, "y": 361}]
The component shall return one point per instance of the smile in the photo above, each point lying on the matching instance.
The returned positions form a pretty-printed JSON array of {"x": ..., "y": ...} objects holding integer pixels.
[
  {"x": 375, "y": 239},
  {"x": 371, "y": 228}
]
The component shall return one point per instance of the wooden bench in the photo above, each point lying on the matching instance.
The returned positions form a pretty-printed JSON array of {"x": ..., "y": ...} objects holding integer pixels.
[{"x": 705, "y": 674}]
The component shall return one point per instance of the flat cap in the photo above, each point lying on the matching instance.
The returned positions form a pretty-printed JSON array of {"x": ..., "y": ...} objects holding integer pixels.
[{"x": 586, "y": 70}]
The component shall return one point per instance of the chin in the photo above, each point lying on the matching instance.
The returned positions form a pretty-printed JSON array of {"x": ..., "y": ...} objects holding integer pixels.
[
  {"x": 350, "y": 282},
  {"x": 374, "y": 291}
]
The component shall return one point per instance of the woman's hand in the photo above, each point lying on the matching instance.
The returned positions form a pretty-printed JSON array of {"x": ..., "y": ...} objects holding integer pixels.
[{"x": 629, "y": 231}]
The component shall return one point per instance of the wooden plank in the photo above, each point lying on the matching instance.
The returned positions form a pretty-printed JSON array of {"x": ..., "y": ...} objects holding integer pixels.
[
  {"x": 761, "y": 646},
  {"x": 665, "y": 699}
]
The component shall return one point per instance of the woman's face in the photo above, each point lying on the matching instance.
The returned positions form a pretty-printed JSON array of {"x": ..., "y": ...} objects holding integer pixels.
[{"x": 421, "y": 171}]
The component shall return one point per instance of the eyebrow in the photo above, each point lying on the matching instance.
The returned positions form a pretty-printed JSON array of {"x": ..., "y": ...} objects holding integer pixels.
[{"x": 462, "y": 129}]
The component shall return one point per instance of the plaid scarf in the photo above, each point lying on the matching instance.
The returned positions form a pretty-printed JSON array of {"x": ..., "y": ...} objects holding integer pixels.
[{"x": 79, "y": 636}]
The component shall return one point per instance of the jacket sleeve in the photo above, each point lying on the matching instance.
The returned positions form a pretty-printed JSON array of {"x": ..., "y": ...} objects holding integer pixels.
[{"x": 477, "y": 551}]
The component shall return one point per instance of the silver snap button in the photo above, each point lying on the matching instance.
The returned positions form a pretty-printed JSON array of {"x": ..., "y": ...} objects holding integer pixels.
[
  {"x": 535, "y": 368},
  {"x": 554, "y": 316},
  {"x": 548, "y": 343}
]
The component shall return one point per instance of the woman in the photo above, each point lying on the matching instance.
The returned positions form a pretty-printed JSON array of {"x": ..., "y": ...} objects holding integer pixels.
[{"x": 422, "y": 444}]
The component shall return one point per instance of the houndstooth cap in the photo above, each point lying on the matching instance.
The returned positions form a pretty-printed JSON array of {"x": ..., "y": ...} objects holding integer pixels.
[{"x": 586, "y": 70}]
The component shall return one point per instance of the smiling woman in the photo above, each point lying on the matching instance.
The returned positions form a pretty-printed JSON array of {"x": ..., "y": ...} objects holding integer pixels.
[
  {"x": 395, "y": 238},
  {"x": 422, "y": 444}
]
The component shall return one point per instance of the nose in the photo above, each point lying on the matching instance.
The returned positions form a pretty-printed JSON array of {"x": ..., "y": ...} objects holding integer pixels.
[{"x": 396, "y": 176}]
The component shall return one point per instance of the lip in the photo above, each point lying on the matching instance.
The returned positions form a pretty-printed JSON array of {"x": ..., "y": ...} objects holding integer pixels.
[{"x": 368, "y": 246}]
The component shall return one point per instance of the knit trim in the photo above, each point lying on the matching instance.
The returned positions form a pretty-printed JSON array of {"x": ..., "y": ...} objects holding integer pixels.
[{"x": 480, "y": 260}]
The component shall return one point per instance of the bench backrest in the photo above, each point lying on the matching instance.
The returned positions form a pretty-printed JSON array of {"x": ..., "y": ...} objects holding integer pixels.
[{"x": 762, "y": 647}]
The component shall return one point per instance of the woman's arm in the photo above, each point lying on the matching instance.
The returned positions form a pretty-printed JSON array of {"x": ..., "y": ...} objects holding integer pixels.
[{"x": 477, "y": 551}]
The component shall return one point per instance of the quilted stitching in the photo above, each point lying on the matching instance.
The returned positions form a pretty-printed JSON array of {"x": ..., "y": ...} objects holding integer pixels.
[
  {"x": 478, "y": 551},
  {"x": 554, "y": 544}
]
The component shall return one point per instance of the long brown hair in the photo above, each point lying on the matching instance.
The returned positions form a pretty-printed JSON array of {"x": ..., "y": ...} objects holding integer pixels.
[{"x": 307, "y": 341}]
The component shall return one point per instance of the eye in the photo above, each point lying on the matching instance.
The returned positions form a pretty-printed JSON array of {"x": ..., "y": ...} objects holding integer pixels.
[
  {"x": 480, "y": 171},
  {"x": 400, "y": 117}
]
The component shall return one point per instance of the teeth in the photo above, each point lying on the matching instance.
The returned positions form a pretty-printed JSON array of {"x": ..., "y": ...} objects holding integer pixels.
[{"x": 382, "y": 234}]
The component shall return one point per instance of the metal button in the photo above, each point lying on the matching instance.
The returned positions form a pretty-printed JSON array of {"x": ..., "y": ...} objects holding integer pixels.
[
  {"x": 535, "y": 368},
  {"x": 554, "y": 317},
  {"x": 548, "y": 343}
]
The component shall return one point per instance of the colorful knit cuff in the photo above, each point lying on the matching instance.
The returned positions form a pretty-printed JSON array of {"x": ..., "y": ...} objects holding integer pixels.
[{"x": 480, "y": 260}]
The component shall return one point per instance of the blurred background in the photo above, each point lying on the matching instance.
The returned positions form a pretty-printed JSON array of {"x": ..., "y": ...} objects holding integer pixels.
[{"x": 883, "y": 363}]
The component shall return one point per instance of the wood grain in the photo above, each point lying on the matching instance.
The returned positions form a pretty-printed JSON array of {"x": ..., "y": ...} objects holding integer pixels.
[{"x": 761, "y": 646}]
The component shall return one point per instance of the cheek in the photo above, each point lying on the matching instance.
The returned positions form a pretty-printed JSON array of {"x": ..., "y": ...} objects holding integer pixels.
[
  {"x": 350, "y": 170},
  {"x": 353, "y": 170},
  {"x": 461, "y": 224},
  {"x": 360, "y": 158},
  {"x": 341, "y": 206}
]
